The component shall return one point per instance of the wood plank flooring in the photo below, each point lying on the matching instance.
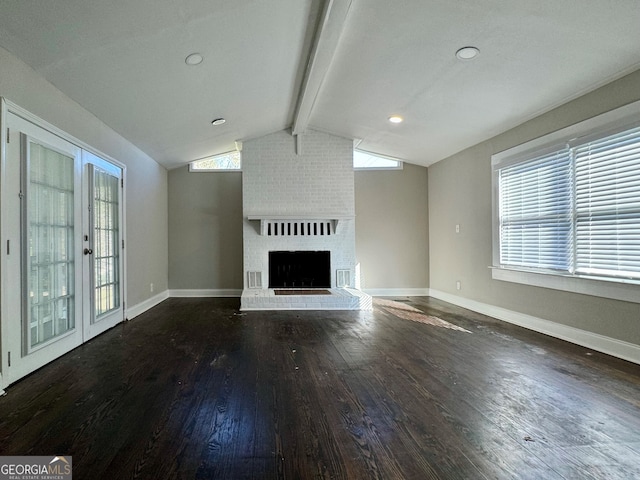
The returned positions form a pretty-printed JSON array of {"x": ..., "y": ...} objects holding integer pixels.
[{"x": 416, "y": 389}]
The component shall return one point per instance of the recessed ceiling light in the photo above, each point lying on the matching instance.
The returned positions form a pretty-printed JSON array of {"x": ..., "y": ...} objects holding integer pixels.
[
  {"x": 218, "y": 121},
  {"x": 467, "y": 53},
  {"x": 395, "y": 119},
  {"x": 194, "y": 59}
]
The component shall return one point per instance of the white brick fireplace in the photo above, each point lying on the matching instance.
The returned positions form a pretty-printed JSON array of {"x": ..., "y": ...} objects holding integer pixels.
[{"x": 299, "y": 196}]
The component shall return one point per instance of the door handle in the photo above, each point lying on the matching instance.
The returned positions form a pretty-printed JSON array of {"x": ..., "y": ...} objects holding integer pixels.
[{"x": 88, "y": 251}]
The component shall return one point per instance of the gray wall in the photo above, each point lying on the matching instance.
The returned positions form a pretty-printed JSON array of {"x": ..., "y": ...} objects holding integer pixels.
[
  {"x": 392, "y": 228},
  {"x": 146, "y": 208},
  {"x": 205, "y": 230},
  {"x": 460, "y": 193}
]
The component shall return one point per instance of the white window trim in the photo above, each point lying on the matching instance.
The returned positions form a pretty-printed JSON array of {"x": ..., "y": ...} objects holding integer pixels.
[
  {"x": 618, "y": 289},
  {"x": 206, "y": 170},
  {"x": 213, "y": 170},
  {"x": 397, "y": 167}
]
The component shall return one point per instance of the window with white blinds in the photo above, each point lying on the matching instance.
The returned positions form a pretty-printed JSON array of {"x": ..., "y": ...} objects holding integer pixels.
[
  {"x": 535, "y": 212},
  {"x": 607, "y": 205},
  {"x": 573, "y": 209}
]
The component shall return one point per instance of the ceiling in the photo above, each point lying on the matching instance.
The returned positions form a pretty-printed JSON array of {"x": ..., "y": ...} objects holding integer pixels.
[{"x": 339, "y": 66}]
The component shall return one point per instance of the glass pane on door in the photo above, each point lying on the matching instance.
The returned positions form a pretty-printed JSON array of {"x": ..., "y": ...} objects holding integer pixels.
[
  {"x": 50, "y": 244},
  {"x": 106, "y": 242}
]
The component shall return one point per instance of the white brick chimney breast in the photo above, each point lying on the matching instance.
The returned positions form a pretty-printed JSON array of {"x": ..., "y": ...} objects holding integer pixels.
[{"x": 299, "y": 201}]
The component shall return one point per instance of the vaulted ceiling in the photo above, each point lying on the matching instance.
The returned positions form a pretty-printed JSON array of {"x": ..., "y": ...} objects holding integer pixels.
[{"x": 340, "y": 66}]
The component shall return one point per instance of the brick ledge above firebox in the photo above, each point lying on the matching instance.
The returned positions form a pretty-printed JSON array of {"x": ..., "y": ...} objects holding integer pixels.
[{"x": 309, "y": 225}]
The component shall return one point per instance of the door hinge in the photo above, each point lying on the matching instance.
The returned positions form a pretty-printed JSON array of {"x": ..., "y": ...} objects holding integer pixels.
[
  {"x": 8, "y": 246},
  {"x": 9, "y": 358},
  {"x": 123, "y": 244},
  {"x": 8, "y": 137},
  {"x": 122, "y": 182}
]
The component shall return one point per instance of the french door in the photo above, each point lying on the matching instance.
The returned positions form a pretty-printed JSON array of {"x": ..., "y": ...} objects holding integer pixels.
[
  {"x": 62, "y": 219},
  {"x": 102, "y": 245}
]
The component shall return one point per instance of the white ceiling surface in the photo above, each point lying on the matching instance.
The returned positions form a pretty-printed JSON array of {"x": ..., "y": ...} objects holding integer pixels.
[{"x": 123, "y": 60}]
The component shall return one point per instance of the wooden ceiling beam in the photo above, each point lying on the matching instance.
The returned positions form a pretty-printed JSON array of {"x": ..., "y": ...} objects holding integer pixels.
[{"x": 323, "y": 49}]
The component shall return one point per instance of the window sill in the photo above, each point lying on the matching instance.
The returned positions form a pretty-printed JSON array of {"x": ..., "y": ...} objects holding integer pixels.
[
  {"x": 213, "y": 170},
  {"x": 625, "y": 290}
]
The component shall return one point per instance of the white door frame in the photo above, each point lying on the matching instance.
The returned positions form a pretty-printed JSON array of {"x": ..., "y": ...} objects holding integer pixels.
[
  {"x": 6, "y": 375},
  {"x": 94, "y": 326}
]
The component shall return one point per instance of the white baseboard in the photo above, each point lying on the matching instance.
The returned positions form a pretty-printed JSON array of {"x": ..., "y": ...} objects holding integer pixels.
[
  {"x": 142, "y": 307},
  {"x": 397, "y": 292},
  {"x": 610, "y": 346},
  {"x": 221, "y": 292},
  {"x": 376, "y": 292}
]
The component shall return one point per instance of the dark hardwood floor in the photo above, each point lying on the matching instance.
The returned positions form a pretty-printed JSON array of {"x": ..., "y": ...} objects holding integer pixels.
[{"x": 416, "y": 389}]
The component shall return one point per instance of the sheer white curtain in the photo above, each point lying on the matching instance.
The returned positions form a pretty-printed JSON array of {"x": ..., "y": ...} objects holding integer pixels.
[
  {"x": 106, "y": 249},
  {"x": 50, "y": 243}
]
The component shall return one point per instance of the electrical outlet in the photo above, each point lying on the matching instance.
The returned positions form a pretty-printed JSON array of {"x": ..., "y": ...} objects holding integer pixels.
[
  {"x": 458, "y": 285},
  {"x": 457, "y": 228},
  {"x": 151, "y": 287}
]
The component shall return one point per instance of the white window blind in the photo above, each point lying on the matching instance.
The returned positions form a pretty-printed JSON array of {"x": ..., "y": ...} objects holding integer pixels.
[
  {"x": 574, "y": 209},
  {"x": 535, "y": 212},
  {"x": 607, "y": 205}
]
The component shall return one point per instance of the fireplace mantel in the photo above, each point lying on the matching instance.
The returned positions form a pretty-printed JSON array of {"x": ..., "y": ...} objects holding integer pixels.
[{"x": 303, "y": 225}]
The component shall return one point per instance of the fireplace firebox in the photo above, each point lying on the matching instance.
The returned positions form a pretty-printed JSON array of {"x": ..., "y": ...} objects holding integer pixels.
[{"x": 300, "y": 269}]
